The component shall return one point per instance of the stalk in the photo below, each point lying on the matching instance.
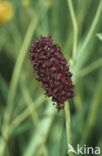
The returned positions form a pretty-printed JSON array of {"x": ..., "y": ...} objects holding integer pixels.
[
  {"x": 68, "y": 125},
  {"x": 14, "y": 81},
  {"x": 91, "y": 30},
  {"x": 75, "y": 26}
]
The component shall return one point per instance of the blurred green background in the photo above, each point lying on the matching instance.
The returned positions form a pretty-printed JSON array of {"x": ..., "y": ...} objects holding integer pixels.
[{"x": 29, "y": 124}]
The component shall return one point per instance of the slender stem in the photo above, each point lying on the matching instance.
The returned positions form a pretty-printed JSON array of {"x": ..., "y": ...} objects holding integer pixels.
[
  {"x": 91, "y": 30},
  {"x": 68, "y": 126},
  {"x": 93, "y": 66},
  {"x": 91, "y": 119},
  {"x": 75, "y": 26},
  {"x": 14, "y": 79},
  {"x": 18, "y": 66}
]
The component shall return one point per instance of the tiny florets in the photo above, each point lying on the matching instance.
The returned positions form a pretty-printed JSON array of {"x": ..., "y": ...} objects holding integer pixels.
[{"x": 51, "y": 67}]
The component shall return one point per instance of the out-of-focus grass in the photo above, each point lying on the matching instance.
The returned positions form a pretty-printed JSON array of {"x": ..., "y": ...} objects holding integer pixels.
[{"x": 29, "y": 124}]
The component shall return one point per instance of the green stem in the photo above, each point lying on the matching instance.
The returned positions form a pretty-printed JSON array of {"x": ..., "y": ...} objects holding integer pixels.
[
  {"x": 91, "y": 119},
  {"x": 40, "y": 136},
  {"x": 18, "y": 66},
  {"x": 68, "y": 126},
  {"x": 15, "y": 78},
  {"x": 75, "y": 27},
  {"x": 91, "y": 30},
  {"x": 93, "y": 66}
]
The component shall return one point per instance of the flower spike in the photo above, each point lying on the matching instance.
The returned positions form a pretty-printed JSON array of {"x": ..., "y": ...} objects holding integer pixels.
[{"x": 52, "y": 70}]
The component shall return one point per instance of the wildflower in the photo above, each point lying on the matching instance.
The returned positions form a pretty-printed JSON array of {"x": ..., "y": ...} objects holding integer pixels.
[
  {"x": 51, "y": 67},
  {"x": 6, "y": 12}
]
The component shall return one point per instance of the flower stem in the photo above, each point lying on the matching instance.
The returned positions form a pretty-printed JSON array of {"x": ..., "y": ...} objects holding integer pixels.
[{"x": 68, "y": 126}]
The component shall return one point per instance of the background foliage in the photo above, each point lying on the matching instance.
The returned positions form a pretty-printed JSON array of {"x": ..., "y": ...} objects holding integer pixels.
[{"x": 29, "y": 123}]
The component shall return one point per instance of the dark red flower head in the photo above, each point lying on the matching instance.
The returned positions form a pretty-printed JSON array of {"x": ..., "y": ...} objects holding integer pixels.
[{"x": 51, "y": 67}]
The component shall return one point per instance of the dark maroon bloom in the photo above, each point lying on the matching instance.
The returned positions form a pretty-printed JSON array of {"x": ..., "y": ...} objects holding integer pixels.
[{"x": 51, "y": 67}]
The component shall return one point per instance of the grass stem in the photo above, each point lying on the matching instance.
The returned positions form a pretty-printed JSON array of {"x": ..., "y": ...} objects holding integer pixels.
[
  {"x": 15, "y": 77},
  {"x": 75, "y": 26},
  {"x": 91, "y": 120},
  {"x": 91, "y": 30},
  {"x": 93, "y": 66}
]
